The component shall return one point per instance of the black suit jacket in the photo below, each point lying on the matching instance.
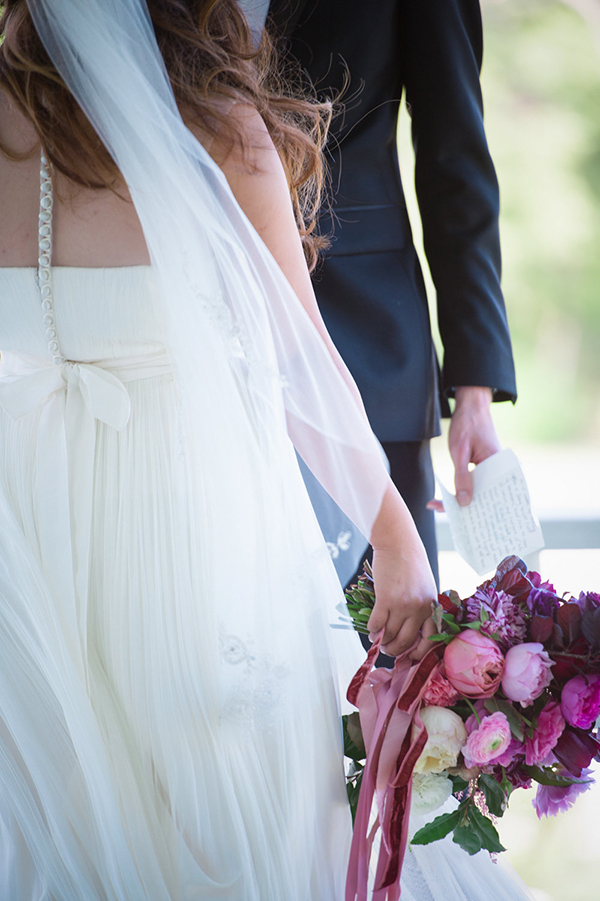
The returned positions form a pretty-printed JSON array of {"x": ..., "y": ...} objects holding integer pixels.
[{"x": 370, "y": 286}]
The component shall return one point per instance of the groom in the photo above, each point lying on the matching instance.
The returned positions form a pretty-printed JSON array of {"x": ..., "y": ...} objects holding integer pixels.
[{"x": 370, "y": 287}]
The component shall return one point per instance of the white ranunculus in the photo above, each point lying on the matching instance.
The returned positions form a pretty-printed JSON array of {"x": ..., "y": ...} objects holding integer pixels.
[
  {"x": 429, "y": 791},
  {"x": 446, "y": 736}
]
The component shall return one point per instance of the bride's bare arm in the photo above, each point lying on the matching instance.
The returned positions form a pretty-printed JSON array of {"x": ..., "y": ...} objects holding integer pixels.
[{"x": 403, "y": 579}]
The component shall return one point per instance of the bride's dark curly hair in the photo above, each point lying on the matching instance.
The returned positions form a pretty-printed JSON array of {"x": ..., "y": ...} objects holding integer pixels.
[{"x": 210, "y": 58}]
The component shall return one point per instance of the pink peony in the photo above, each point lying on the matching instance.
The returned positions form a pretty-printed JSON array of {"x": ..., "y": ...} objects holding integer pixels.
[
  {"x": 550, "y": 799},
  {"x": 526, "y": 673},
  {"x": 440, "y": 692},
  {"x": 488, "y": 741},
  {"x": 550, "y": 724},
  {"x": 474, "y": 664},
  {"x": 580, "y": 701}
]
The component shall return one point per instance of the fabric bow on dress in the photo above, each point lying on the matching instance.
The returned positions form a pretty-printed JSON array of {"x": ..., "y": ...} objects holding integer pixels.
[{"x": 73, "y": 397}]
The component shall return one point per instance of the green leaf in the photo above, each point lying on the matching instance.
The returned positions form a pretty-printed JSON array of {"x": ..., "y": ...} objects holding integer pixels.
[
  {"x": 458, "y": 784},
  {"x": 490, "y": 840},
  {"x": 476, "y": 832},
  {"x": 538, "y": 706},
  {"x": 547, "y": 776},
  {"x": 484, "y": 615},
  {"x": 352, "y": 749},
  {"x": 468, "y": 838},
  {"x": 451, "y": 624},
  {"x": 355, "y": 733},
  {"x": 476, "y": 624},
  {"x": 437, "y": 829},
  {"x": 495, "y": 796},
  {"x": 441, "y": 636},
  {"x": 506, "y": 785},
  {"x": 515, "y": 721}
]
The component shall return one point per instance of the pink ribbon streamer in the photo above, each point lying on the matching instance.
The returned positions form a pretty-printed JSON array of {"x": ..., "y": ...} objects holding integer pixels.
[{"x": 388, "y": 702}]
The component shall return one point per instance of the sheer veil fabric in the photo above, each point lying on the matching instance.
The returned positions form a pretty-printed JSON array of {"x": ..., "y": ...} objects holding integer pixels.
[
  {"x": 216, "y": 275},
  {"x": 213, "y": 769}
]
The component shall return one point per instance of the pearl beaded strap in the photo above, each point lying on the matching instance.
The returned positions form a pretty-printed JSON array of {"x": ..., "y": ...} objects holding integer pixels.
[{"x": 45, "y": 260}]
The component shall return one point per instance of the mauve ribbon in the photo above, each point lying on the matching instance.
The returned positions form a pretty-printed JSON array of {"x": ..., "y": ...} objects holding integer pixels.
[{"x": 388, "y": 702}]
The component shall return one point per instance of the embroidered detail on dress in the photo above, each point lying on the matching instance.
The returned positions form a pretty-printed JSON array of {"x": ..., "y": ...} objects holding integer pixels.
[
  {"x": 254, "y": 696},
  {"x": 342, "y": 544}
]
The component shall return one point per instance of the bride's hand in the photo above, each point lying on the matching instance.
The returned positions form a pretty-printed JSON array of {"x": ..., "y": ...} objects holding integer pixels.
[{"x": 404, "y": 591}]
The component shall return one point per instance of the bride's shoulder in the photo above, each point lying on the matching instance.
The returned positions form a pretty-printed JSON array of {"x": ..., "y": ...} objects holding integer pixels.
[{"x": 243, "y": 144}]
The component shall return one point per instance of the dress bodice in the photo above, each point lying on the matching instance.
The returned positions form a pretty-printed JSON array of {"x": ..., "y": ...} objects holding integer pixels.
[{"x": 99, "y": 313}]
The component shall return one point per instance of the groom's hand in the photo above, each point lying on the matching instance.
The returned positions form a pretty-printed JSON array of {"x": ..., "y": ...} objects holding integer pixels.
[{"x": 472, "y": 436}]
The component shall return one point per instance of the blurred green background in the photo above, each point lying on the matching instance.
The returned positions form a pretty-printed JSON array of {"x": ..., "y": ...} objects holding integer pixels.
[
  {"x": 541, "y": 87},
  {"x": 541, "y": 84}
]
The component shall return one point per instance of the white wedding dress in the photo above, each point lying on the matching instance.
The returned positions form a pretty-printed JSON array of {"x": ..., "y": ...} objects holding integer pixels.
[{"x": 149, "y": 747}]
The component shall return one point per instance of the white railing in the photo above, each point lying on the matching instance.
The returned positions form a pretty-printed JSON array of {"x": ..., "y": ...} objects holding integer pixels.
[{"x": 560, "y": 532}]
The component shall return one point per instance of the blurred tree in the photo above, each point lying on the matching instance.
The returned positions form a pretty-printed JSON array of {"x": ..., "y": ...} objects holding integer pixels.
[{"x": 541, "y": 83}]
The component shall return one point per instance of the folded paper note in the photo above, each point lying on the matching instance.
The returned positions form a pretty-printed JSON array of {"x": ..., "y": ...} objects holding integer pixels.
[{"x": 499, "y": 520}]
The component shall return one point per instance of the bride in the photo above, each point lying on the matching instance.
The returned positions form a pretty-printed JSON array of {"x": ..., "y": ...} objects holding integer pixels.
[{"x": 168, "y": 707}]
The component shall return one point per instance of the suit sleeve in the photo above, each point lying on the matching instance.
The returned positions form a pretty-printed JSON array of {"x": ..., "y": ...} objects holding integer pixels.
[{"x": 457, "y": 190}]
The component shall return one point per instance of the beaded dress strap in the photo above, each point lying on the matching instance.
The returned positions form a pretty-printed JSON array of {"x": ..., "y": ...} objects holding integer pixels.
[{"x": 45, "y": 260}]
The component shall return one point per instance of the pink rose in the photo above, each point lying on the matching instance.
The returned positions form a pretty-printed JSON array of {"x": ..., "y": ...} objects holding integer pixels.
[
  {"x": 580, "y": 701},
  {"x": 489, "y": 740},
  {"x": 527, "y": 672},
  {"x": 474, "y": 664},
  {"x": 550, "y": 724},
  {"x": 440, "y": 693}
]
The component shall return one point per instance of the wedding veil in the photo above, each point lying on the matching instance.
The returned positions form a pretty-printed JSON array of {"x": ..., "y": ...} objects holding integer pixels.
[{"x": 216, "y": 275}]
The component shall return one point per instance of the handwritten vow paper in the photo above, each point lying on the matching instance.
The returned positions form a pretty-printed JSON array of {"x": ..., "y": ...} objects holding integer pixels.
[{"x": 499, "y": 520}]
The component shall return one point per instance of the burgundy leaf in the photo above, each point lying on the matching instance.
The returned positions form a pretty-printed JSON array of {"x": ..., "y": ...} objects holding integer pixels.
[
  {"x": 575, "y": 749},
  {"x": 447, "y": 601},
  {"x": 510, "y": 570},
  {"x": 558, "y": 639},
  {"x": 569, "y": 620},
  {"x": 541, "y": 628},
  {"x": 590, "y": 626},
  {"x": 565, "y": 667}
]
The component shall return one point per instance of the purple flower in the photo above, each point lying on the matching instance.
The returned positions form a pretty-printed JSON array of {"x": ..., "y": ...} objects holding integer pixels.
[
  {"x": 542, "y": 602},
  {"x": 550, "y": 799},
  {"x": 580, "y": 701},
  {"x": 588, "y": 600},
  {"x": 506, "y": 619},
  {"x": 536, "y": 581}
]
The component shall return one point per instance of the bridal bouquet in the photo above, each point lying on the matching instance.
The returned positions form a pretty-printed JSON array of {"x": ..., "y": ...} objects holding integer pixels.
[{"x": 512, "y": 699}]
